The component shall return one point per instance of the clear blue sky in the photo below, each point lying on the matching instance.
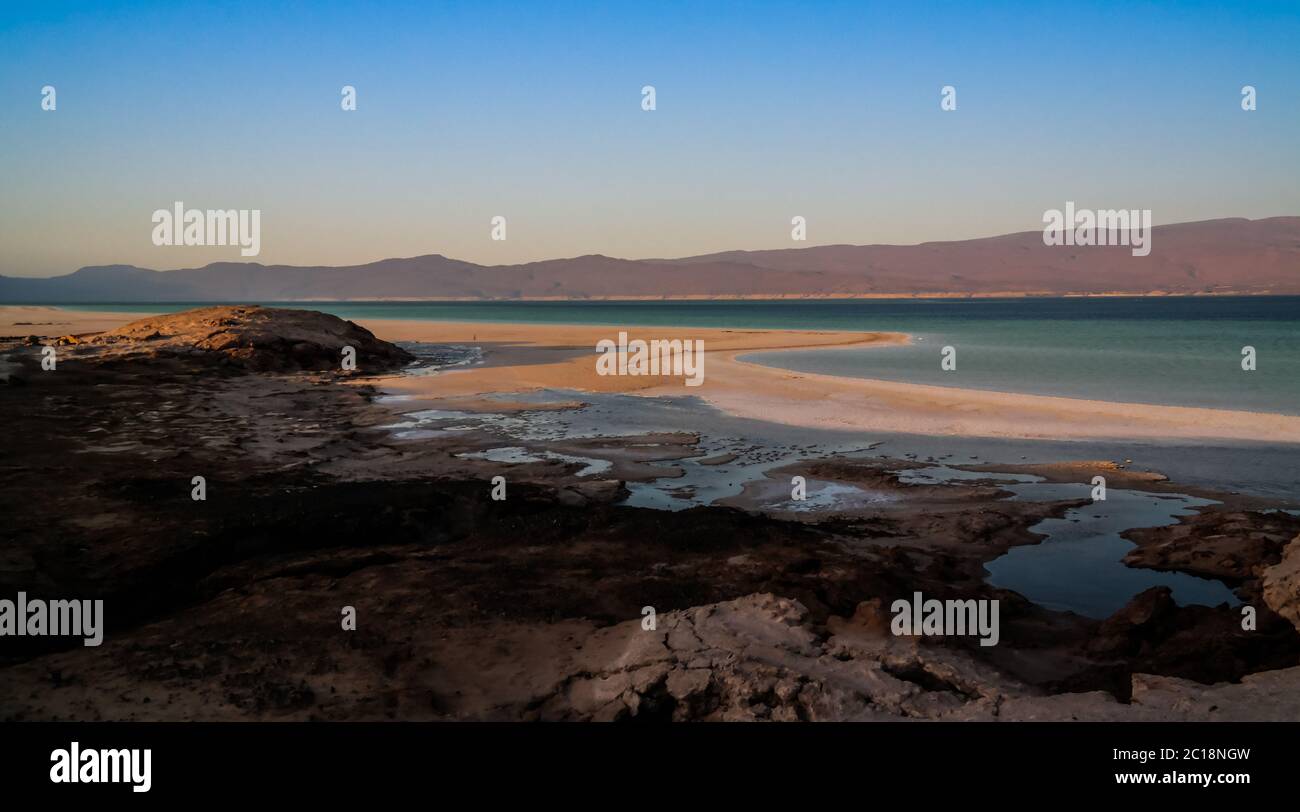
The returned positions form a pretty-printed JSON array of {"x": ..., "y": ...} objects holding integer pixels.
[{"x": 532, "y": 111}]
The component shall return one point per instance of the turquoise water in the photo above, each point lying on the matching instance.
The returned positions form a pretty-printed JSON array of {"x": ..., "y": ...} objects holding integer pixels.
[
  {"x": 1177, "y": 352},
  {"x": 1180, "y": 351}
]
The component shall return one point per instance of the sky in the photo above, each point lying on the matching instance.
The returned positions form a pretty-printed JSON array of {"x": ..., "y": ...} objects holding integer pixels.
[{"x": 533, "y": 112}]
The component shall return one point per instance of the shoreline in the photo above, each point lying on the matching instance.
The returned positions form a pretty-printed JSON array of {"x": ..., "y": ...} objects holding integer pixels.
[
  {"x": 724, "y": 297},
  {"x": 530, "y": 357},
  {"x": 226, "y": 607},
  {"x": 562, "y": 357}
]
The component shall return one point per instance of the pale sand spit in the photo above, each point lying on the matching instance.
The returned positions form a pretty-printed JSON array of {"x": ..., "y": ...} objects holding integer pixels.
[{"x": 528, "y": 357}]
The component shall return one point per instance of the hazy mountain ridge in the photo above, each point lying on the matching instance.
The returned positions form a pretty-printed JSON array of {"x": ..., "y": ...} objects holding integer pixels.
[{"x": 1214, "y": 256}]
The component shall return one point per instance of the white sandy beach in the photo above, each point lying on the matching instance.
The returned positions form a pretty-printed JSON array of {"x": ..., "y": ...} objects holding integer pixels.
[{"x": 528, "y": 357}]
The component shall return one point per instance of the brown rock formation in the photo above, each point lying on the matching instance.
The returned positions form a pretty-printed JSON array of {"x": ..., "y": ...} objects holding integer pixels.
[
  {"x": 251, "y": 338},
  {"x": 1282, "y": 584}
]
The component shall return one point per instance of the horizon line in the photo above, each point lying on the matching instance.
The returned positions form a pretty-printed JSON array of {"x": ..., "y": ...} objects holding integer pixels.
[{"x": 650, "y": 259}]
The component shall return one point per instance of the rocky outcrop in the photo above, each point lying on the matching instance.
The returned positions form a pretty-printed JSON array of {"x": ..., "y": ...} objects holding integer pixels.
[
  {"x": 249, "y": 337},
  {"x": 1282, "y": 584},
  {"x": 1216, "y": 543},
  {"x": 758, "y": 658},
  {"x": 755, "y": 658}
]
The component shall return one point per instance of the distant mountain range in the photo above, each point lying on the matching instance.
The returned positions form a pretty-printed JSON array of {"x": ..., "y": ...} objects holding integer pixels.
[{"x": 1214, "y": 256}]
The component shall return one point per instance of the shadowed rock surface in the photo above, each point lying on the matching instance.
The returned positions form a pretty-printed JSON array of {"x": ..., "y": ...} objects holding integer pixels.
[
  {"x": 1238, "y": 546},
  {"x": 1282, "y": 584},
  {"x": 757, "y": 657}
]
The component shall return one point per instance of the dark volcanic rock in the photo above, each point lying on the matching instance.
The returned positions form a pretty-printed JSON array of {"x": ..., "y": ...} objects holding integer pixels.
[
  {"x": 1153, "y": 634},
  {"x": 1148, "y": 617},
  {"x": 253, "y": 338},
  {"x": 1221, "y": 543}
]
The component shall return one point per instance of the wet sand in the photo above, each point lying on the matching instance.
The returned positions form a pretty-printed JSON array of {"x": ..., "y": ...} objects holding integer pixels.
[
  {"x": 531, "y": 357},
  {"x": 22, "y": 320}
]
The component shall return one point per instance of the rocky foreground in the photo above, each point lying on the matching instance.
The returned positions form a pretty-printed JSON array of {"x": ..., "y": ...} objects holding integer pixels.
[
  {"x": 243, "y": 337},
  {"x": 531, "y": 608}
]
